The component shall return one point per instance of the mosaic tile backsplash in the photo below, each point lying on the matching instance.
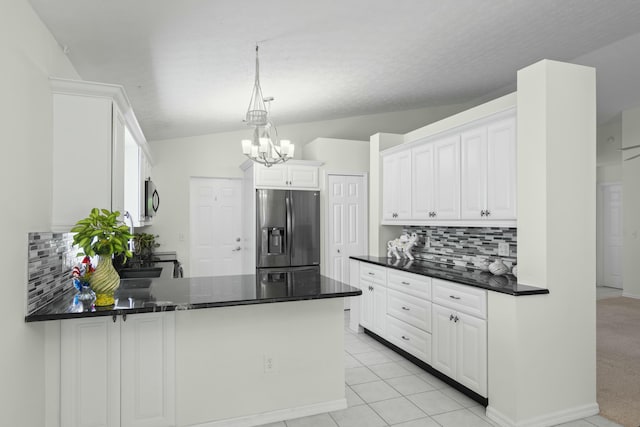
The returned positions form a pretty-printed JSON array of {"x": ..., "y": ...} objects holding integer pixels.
[
  {"x": 464, "y": 246},
  {"x": 50, "y": 260}
]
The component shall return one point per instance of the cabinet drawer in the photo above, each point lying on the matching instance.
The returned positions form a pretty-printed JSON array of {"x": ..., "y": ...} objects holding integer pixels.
[
  {"x": 410, "y": 339},
  {"x": 410, "y": 283},
  {"x": 463, "y": 298},
  {"x": 412, "y": 310},
  {"x": 373, "y": 273}
]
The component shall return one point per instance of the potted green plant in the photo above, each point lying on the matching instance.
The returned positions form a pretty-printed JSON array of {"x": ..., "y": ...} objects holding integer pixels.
[
  {"x": 143, "y": 247},
  {"x": 104, "y": 235}
]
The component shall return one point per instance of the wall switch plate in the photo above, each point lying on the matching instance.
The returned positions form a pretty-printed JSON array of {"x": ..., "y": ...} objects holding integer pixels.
[{"x": 503, "y": 249}]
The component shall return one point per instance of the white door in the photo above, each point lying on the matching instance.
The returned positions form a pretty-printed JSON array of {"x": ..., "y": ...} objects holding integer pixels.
[
  {"x": 379, "y": 310},
  {"x": 396, "y": 186},
  {"x": 366, "y": 304},
  {"x": 612, "y": 235},
  {"x": 501, "y": 170},
  {"x": 347, "y": 213},
  {"x": 443, "y": 350},
  {"x": 303, "y": 176},
  {"x": 216, "y": 227}
]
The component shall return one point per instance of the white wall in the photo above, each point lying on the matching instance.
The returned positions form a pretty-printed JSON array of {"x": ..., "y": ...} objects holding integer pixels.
[
  {"x": 631, "y": 203},
  {"x": 29, "y": 56},
  {"x": 340, "y": 156},
  {"x": 548, "y": 342},
  {"x": 219, "y": 155}
]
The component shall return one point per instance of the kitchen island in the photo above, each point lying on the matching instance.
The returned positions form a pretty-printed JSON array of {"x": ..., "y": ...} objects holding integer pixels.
[{"x": 208, "y": 351}]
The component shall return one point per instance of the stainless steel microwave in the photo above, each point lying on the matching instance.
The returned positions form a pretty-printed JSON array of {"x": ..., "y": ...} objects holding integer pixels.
[{"x": 151, "y": 199}]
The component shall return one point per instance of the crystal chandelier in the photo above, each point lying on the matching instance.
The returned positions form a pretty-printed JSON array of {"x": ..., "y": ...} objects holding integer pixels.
[{"x": 264, "y": 147}]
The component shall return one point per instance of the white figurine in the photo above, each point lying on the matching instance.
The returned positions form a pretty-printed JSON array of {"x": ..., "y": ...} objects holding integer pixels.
[{"x": 402, "y": 246}]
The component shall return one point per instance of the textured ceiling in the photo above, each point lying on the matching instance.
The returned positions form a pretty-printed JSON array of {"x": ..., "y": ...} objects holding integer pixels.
[{"x": 188, "y": 65}]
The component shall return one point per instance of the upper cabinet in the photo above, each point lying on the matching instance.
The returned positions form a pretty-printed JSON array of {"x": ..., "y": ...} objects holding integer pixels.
[
  {"x": 488, "y": 190},
  {"x": 91, "y": 123},
  {"x": 465, "y": 176},
  {"x": 396, "y": 187},
  {"x": 292, "y": 175}
]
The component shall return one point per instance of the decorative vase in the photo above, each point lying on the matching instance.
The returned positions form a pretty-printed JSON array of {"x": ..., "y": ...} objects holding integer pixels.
[
  {"x": 497, "y": 267},
  {"x": 104, "y": 281},
  {"x": 86, "y": 297}
]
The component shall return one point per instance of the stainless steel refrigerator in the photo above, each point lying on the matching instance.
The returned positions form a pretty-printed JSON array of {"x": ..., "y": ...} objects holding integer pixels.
[{"x": 288, "y": 232}]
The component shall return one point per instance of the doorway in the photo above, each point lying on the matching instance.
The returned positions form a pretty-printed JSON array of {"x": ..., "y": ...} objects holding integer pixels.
[
  {"x": 347, "y": 223},
  {"x": 216, "y": 226},
  {"x": 611, "y": 247}
]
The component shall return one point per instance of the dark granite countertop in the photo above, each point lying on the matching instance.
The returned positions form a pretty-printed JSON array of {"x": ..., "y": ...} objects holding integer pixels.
[
  {"x": 506, "y": 284},
  {"x": 165, "y": 294}
]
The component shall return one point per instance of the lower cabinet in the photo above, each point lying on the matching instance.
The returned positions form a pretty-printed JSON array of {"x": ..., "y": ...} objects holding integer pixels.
[
  {"x": 118, "y": 373},
  {"x": 374, "y": 307}
]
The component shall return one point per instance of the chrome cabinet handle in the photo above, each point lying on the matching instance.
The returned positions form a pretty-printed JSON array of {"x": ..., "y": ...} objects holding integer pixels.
[
  {"x": 487, "y": 212},
  {"x": 236, "y": 249},
  {"x": 406, "y": 283},
  {"x": 405, "y": 338},
  {"x": 406, "y": 308},
  {"x": 450, "y": 317},
  {"x": 453, "y": 297},
  {"x": 338, "y": 250},
  {"x": 371, "y": 274},
  {"x": 455, "y": 319},
  {"x": 482, "y": 213}
]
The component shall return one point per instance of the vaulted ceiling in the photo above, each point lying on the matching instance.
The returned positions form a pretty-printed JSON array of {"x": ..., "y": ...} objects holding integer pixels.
[{"x": 188, "y": 65}]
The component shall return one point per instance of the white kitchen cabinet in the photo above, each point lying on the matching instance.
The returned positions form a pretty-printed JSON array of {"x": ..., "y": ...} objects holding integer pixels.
[
  {"x": 89, "y": 126},
  {"x": 287, "y": 176},
  {"x": 488, "y": 165},
  {"x": 118, "y": 373},
  {"x": 396, "y": 186},
  {"x": 373, "y": 307},
  {"x": 436, "y": 180},
  {"x": 459, "y": 341}
]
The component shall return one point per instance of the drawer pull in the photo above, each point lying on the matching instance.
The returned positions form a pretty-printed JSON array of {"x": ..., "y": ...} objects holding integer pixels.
[
  {"x": 451, "y": 317},
  {"x": 406, "y": 308},
  {"x": 405, "y": 283},
  {"x": 405, "y": 338},
  {"x": 372, "y": 274},
  {"x": 455, "y": 319},
  {"x": 454, "y": 297}
]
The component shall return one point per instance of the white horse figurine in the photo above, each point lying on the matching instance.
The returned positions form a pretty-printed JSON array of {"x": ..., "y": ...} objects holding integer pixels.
[{"x": 402, "y": 246}]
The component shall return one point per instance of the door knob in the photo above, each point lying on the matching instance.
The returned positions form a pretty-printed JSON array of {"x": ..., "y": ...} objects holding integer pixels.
[
  {"x": 338, "y": 250},
  {"x": 238, "y": 239},
  {"x": 236, "y": 249}
]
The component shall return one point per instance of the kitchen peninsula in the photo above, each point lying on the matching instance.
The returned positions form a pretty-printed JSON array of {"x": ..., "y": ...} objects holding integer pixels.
[{"x": 205, "y": 351}]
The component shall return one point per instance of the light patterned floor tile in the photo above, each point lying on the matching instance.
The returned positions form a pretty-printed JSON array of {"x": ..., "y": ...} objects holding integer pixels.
[
  {"x": 389, "y": 370},
  {"x": 397, "y": 410},
  {"x": 459, "y": 397},
  {"x": 375, "y": 391},
  {"x": 352, "y": 398},
  {"x": 577, "y": 423},
  {"x": 350, "y": 361},
  {"x": 372, "y": 358},
  {"x": 321, "y": 420},
  {"x": 358, "y": 416},
  {"x": 434, "y": 402},
  {"x": 359, "y": 375},
  {"x": 481, "y": 411},
  {"x": 461, "y": 418},
  {"x": 410, "y": 366},
  {"x": 422, "y": 422},
  {"x": 435, "y": 382},
  {"x": 357, "y": 347},
  {"x": 601, "y": 421},
  {"x": 410, "y": 384}
]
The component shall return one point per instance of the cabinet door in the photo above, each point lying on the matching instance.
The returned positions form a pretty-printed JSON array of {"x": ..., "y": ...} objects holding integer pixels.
[
  {"x": 473, "y": 186},
  {"x": 366, "y": 304},
  {"x": 446, "y": 160},
  {"x": 422, "y": 184},
  {"x": 443, "y": 350},
  {"x": 471, "y": 369},
  {"x": 272, "y": 177},
  {"x": 501, "y": 173},
  {"x": 380, "y": 310},
  {"x": 396, "y": 188},
  {"x": 148, "y": 370},
  {"x": 303, "y": 176},
  {"x": 90, "y": 372}
]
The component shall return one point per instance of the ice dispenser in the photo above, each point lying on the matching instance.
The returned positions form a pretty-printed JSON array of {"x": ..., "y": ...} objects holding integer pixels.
[{"x": 273, "y": 240}]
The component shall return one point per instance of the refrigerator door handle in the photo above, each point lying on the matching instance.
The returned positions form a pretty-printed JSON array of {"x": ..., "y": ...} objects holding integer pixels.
[{"x": 290, "y": 225}]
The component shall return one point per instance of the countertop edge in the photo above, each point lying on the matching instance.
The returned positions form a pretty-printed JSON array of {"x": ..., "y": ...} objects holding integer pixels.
[
  {"x": 532, "y": 291},
  {"x": 182, "y": 307}
]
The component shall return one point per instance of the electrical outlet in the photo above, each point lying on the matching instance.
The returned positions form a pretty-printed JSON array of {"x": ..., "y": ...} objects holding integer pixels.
[
  {"x": 503, "y": 249},
  {"x": 269, "y": 364}
]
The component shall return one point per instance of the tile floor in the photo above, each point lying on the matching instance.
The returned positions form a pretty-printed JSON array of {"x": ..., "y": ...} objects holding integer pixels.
[
  {"x": 384, "y": 389},
  {"x": 607, "y": 292}
]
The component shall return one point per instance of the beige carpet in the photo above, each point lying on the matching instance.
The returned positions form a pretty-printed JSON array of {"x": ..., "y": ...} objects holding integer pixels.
[{"x": 618, "y": 355}]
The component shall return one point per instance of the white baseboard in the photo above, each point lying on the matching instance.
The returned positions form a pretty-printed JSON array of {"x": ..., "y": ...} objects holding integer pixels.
[
  {"x": 545, "y": 420},
  {"x": 628, "y": 295},
  {"x": 279, "y": 415}
]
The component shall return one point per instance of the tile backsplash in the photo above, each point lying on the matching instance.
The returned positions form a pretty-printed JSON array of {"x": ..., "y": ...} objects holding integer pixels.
[
  {"x": 463, "y": 246},
  {"x": 51, "y": 258}
]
